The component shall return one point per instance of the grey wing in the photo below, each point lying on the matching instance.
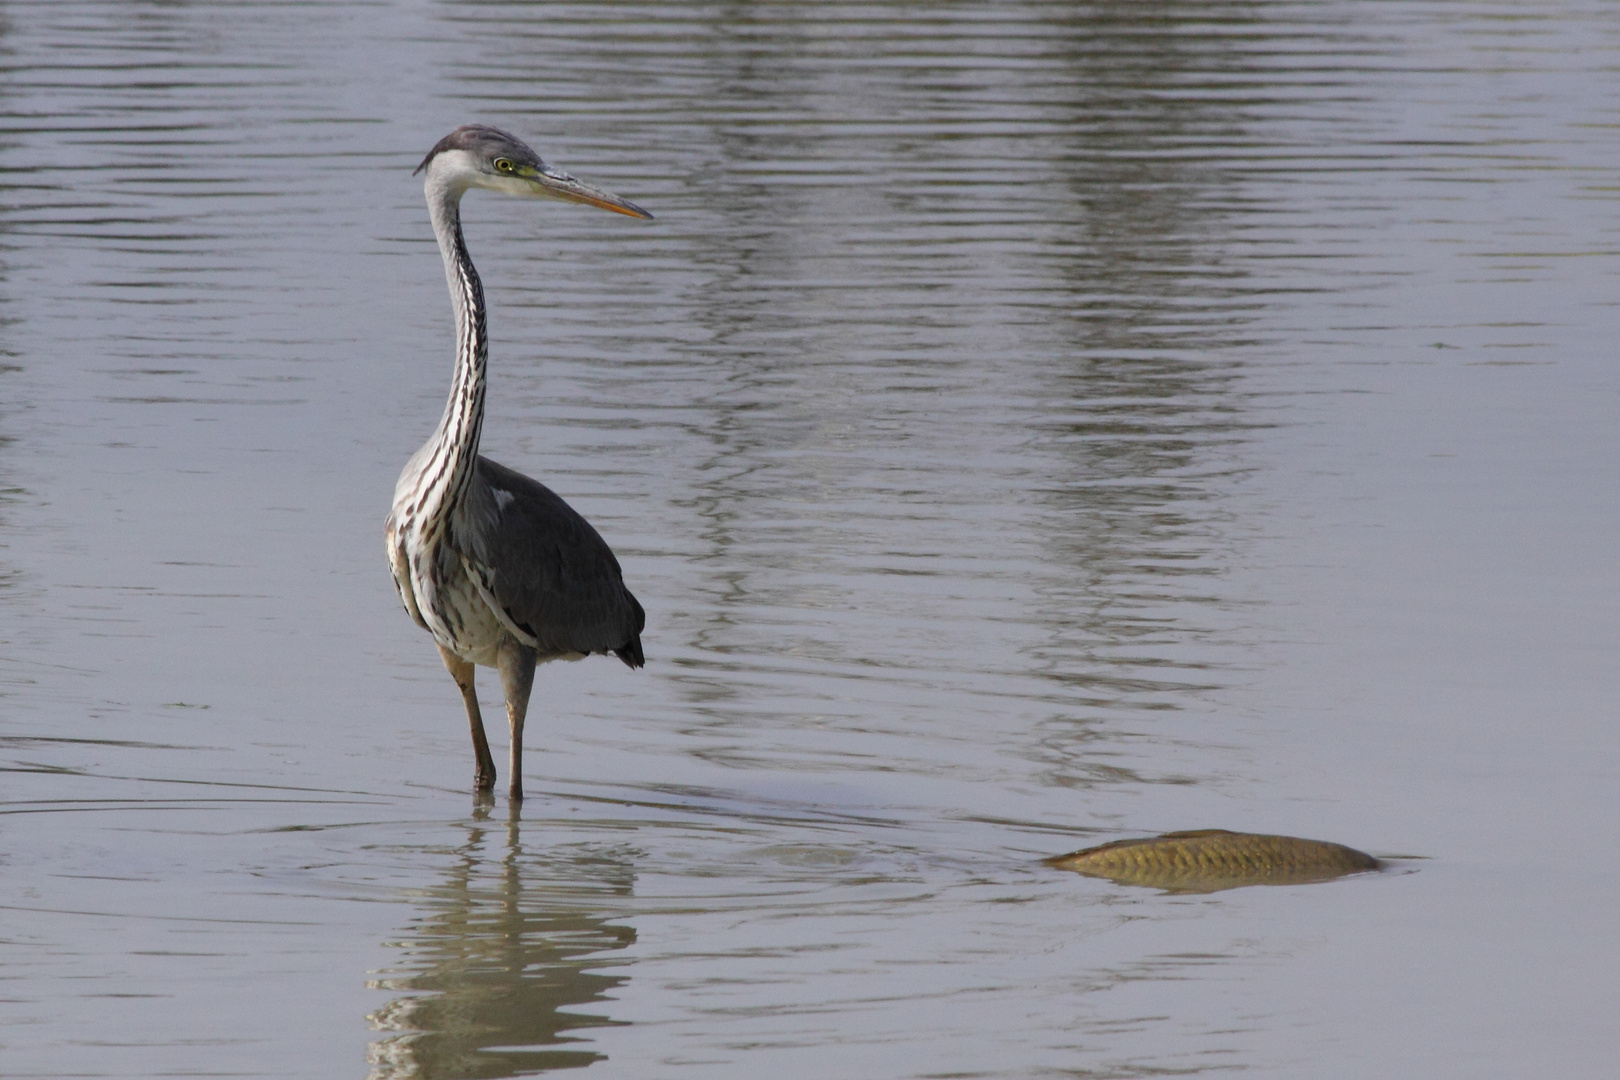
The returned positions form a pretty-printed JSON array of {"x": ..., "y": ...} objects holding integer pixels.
[{"x": 551, "y": 572}]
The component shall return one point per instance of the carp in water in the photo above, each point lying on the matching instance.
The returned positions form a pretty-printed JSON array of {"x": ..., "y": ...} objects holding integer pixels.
[{"x": 1209, "y": 860}]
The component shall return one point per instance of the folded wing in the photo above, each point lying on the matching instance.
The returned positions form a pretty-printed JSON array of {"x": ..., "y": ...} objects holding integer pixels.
[{"x": 551, "y": 573}]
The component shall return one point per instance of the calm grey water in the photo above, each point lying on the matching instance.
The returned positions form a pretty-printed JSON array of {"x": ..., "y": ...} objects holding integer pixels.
[{"x": 1026, "y": 424}]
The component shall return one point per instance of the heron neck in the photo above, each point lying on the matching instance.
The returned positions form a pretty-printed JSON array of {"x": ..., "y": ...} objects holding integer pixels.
[{"x": 455, "y": 442}]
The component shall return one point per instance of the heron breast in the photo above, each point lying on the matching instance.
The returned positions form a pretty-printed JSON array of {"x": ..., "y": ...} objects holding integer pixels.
[
  {"x": 447, "y": 602},
  {"x": 464, "y": 624}
]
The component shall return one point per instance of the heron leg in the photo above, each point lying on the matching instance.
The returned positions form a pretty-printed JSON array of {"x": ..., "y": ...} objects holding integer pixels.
[
  {"x": 462, "y": 671},
  {"x": 516, "y": 665}
]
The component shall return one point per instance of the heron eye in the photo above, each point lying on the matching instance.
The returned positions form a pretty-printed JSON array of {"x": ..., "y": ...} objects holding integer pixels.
[{"x": 503, "y": 165}]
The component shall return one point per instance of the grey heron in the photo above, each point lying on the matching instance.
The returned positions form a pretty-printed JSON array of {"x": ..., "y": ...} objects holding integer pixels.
[{"x": 496, "y": 566}]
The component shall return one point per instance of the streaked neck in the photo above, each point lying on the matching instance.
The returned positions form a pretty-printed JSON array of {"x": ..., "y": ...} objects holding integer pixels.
[{"x": 455, "y": 441}]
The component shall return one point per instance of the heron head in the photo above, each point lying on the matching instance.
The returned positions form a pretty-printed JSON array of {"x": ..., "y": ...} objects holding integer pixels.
[{"x": 475, "y": 155}]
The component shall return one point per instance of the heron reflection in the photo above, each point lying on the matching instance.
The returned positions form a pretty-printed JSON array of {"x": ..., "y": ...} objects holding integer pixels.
[{"x": 507, "y": 941}]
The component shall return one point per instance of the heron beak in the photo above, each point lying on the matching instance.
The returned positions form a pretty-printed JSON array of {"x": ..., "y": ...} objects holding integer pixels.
[{"x": 559, "y": 185}]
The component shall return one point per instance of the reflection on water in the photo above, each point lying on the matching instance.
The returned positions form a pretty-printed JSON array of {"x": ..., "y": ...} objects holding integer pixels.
[
  {"x": 993, "y": 380},
  {"x": 508, "y": 941}
]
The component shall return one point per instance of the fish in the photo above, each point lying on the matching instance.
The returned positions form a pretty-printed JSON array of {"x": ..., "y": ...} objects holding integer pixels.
[{"x": 1209, "y": 860}]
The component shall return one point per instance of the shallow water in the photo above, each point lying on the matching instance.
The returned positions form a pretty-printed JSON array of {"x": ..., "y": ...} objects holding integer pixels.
[{"x": 1027, "y": 425}]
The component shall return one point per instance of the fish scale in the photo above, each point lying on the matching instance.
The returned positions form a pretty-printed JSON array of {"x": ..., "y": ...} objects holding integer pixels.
[{"x": 1208, "y": 860}]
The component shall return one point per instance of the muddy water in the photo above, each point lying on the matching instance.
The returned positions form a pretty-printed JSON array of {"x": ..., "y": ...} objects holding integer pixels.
[{"x": 1027, "y": 425}]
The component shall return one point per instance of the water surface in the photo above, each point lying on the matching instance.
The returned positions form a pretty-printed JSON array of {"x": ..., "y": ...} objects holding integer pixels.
[{"x": 1027, "y": 425}]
